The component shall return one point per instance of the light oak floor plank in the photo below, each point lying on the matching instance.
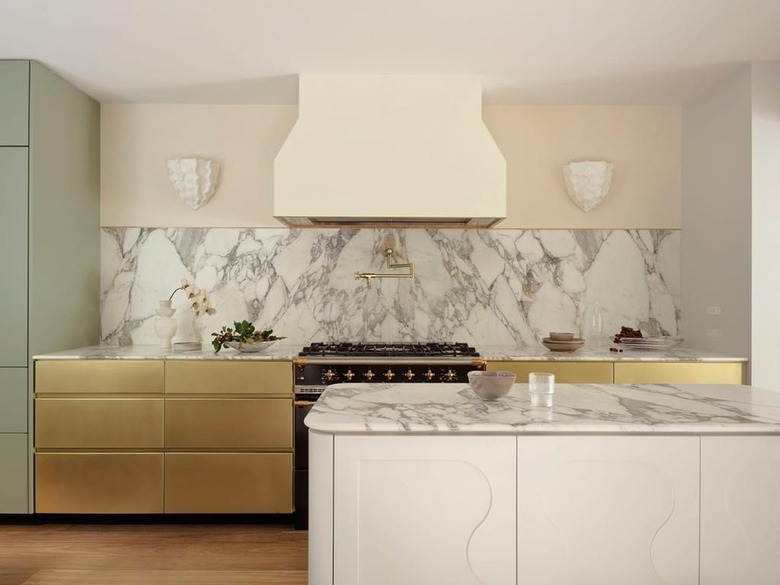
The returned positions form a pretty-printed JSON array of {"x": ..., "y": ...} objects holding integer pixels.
[{"x": 202, "y": 554}]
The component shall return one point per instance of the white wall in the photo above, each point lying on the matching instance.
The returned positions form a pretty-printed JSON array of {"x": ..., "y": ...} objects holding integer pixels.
[
  {"x": 765, "y": 368},
  {"x": 642, "y": 141},
  {"x": 716, "y": 183}
]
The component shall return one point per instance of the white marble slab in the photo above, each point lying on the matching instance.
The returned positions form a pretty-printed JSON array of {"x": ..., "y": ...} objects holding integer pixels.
[
  {"x": 578, "y": 408},
  {"x": 489, "y": 286},
  {"x": 540, "y": 353},
  {"x": 276, "y": 352}
]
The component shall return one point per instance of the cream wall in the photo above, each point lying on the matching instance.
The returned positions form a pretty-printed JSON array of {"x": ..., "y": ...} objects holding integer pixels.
[{"x": 644, "y": 142}]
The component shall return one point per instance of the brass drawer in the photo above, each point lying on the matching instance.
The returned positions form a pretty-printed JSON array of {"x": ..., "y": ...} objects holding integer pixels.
[
  {"x": 213, "y": 377},
  {"x": 565, "y": 372},
  {"x": 99, "y": 376},
  {"x": 99, "y": 483},
  {"x": 228, "y": 483},
  {"x": 261, "y": 423},
  {"x": 678, "y": 373},
  {"x": 98, "y": 423}
]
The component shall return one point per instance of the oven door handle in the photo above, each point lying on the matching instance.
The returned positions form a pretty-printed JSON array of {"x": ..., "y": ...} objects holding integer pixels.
[{"x": 302, "y": 403}]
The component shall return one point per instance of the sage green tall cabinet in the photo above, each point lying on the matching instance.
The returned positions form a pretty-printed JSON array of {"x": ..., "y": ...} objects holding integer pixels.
[{"x": 49, "y": 247}]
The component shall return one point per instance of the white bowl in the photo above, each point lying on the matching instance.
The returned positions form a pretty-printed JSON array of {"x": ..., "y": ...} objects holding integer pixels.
[
  {"x": 491, "y": 385},
  {"x": 250, "y": 346}
]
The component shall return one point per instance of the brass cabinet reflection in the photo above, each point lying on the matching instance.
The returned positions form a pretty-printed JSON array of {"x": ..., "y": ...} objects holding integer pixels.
[{"x": 154, "y": 436}]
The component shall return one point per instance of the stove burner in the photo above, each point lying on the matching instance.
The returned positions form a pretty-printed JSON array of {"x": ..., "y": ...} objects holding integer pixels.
[{"x": 379, "y": 349}]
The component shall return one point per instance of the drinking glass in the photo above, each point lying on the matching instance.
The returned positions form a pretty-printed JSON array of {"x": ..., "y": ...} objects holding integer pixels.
[{"x": 541, "y": 385}]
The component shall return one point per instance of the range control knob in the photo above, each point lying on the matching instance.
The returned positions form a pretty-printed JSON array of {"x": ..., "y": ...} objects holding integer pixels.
[
  {"x": 369, "y": 375},
  {"x": 429, "y": 375},
  {"x": 449, "y": 375},
  {"x": 349, "y": 374},
  {"x": 329, "y": 375},
  {"x": 409, "y": 374},
  {"x": 389, "y": 375}
]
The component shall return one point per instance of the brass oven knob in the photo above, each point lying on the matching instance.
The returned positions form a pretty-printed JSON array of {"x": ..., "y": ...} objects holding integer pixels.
[
  {"x": 449, "y": 375},
  {"x": 429, "y": 375},
  {"x": 329, "y": 375},
  {"x": 349, "y": 374},
  {"x": 369, "y": 375},
  {"x": 409, "y": 374},
  {"x": 389, "y": 375}
]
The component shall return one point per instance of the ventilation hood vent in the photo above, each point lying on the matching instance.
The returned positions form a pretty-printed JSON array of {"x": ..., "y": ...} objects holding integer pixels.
[{"x": 400, "y": 150}]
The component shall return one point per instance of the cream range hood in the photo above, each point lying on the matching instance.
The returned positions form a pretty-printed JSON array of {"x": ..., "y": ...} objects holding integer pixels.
[{"x": 390, "y": 150}]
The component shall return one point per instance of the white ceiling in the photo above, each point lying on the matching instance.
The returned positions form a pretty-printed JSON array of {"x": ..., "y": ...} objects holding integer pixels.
[{"x": 528, "y": 51}]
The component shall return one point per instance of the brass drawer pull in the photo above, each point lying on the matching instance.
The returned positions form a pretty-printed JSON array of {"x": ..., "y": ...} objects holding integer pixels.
[{"x": 303, "y": 403}]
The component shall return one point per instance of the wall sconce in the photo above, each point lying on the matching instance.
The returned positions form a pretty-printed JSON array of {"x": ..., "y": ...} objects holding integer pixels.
[
  {"x": 195, "y": 179},
  {"x": 587, "y": 182}
]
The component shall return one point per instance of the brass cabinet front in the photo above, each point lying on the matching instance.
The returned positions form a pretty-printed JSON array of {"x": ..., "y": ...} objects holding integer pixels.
[
  {"x": 98, "y": 423},
  {"x": 226, "y": 423},
  {"x": 565, "y": 372},
  {"x": 99, "y": 376},
  {"x": 233, "y": 377},
  {"x": 228, "y": 483},
  {"x": 678, "y": 373},
  {"x": 99, "y": 483}
]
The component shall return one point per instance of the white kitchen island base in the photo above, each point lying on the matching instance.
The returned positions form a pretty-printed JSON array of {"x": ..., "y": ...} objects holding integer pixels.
[{"x": 418, "y": 504}]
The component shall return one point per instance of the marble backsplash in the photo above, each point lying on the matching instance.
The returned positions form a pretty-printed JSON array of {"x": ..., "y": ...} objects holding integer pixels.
[{"x": 488, "y": 287}]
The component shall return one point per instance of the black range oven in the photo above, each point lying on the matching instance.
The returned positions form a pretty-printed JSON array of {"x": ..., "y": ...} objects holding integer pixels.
[{"x": 322, "y": 364}]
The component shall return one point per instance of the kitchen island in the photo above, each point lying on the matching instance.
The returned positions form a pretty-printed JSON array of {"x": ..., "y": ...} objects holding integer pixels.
[{"x": 615, "y": 484}]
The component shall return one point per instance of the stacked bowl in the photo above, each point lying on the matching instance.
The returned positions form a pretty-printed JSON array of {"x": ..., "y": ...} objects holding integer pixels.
[{"x": 563, "y": 342}]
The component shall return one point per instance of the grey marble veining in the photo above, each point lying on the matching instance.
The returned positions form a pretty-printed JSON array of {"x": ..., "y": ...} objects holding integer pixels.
[
  {"x": 538, "y": 353},
  {"x": 279, "y": 352},
  {"x": 507, "y": 287},
  {"x": 578, "y": 408}
]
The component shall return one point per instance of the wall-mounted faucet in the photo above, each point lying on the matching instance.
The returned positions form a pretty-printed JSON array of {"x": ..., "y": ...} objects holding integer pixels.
[{"x": 389, "y": 253}]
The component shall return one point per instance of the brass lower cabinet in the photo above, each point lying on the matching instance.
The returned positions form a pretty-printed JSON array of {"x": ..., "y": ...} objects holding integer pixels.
[
  {"x": 678, "y": 373},
  {"x": 228, "y": 483},
  {"x": 99, "y": 423},
  {"x": 99, "y": 376},
  {"x": 235, "y": 377},
  {"x": 225, "y": 423},
  {"x": 565, "y": 372},
  {"x": 99, "y": 483}
]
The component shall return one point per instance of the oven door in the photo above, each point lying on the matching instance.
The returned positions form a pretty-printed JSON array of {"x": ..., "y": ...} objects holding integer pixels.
[{"x": 303, "y": 404}]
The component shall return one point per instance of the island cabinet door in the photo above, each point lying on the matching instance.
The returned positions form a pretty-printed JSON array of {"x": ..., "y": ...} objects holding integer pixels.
[
  {"x": 740, "y": 516},
  {"x": 424, "y": 510},
  {"x": 608, "y": 509}
]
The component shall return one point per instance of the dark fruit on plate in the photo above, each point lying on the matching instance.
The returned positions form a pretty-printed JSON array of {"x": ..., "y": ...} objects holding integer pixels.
[{"x": 627, "y": 332}]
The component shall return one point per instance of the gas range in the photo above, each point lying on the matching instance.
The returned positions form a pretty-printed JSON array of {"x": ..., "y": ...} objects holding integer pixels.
[{"x": 322, "y": 364}]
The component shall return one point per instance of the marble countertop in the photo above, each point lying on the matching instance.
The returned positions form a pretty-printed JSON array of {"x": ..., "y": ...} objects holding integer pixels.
[
  {"x": 578, "y": 408},
  {"x": 288, "y": 351}
]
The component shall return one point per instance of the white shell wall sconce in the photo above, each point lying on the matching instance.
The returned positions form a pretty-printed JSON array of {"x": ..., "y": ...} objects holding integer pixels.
[
  {"x": 195, "y": 179},
  {"x": 587, "y": 182}
]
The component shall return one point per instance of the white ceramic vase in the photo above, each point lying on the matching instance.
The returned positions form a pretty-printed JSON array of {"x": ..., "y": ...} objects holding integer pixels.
[{"x": 165, "y": 324}]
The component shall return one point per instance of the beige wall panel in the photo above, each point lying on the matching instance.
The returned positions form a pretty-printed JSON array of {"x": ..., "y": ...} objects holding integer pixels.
[
  {"x": 228, "y": 483},
  {"x": 264, "y": 423},
  {"x": 676, "y": 373},
  {"x": 99, "y": 483},
  {"x": 138, "y": 139},
  {"x": 218, "y": 377},
  {"x": 565, "y": 372},
  {"x": 100, "y": 423},
  {"x": 644, "y": 143},
  {"x": 99, "y": 376}
]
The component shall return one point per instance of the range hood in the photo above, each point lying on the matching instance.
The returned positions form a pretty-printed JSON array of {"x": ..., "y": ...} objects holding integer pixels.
[{"x": 390, "y": 150}]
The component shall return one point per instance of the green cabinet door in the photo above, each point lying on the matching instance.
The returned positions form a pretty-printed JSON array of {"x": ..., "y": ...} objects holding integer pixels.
[
  {"x": 14, "y": 102},
  {"x": 13, "y": 473},
  {"x": 13, "y": 401},
  {"x": 13, "y": 256}
]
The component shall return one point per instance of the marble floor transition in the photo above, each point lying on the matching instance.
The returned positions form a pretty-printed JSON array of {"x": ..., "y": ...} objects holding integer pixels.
[{"x": 89, "y": 554}]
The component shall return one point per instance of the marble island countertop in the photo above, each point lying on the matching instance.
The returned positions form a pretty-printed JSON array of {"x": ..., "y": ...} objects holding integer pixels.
[
  {"x": 289, "y": 351},
  {"x": 578, "y": 408}
]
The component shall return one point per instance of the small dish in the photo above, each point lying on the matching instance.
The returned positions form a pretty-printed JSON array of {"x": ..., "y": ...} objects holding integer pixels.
[
  {"x": 561, "y": 336},
  {"x": 187, "y": 346},
  {"x": 250, "y": 346},
  {"x": 491, "y": 385},
  {"x": 572, "y": 345}
]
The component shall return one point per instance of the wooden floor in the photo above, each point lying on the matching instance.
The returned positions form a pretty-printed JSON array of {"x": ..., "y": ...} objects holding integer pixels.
[{"x": 190, "y": 554}]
